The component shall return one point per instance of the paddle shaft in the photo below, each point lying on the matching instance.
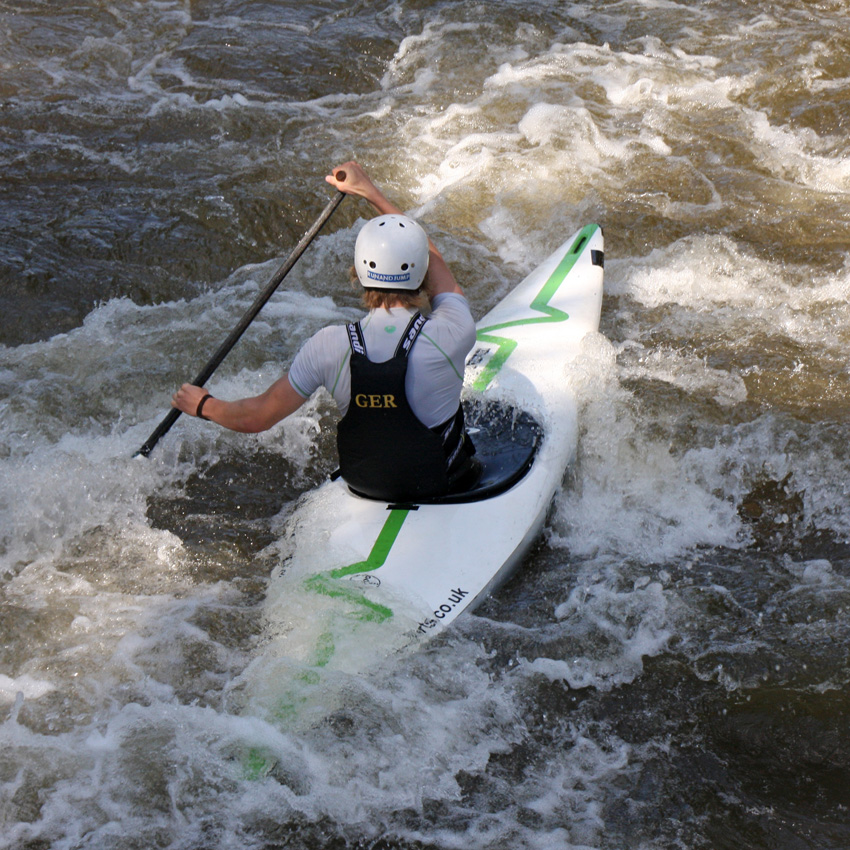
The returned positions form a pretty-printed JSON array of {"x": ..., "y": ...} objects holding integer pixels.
[{"x": 206, "y": 373}]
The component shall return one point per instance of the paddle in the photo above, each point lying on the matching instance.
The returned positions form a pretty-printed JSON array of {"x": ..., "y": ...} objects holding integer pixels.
[{"x": 206, "y": 373}]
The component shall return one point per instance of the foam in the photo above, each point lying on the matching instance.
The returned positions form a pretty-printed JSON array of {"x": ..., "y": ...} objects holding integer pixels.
[
  {"x": 628, "y": 626},
  {"x": 799, "y": 155},
  {"x": 27, "y": 686},
  {"x": 128, "y": 678},
  {"x": 710, "y": 278},
  {"x": 686, "y": 371},
  {"x": 632, "y": 495}
]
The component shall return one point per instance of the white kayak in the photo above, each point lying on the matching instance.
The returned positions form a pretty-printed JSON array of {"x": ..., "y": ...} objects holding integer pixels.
[{"x": 361, "y": 578}]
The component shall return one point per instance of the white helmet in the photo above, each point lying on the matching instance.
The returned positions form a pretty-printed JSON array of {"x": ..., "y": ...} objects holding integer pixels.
[{"x": 391, "y": 252}]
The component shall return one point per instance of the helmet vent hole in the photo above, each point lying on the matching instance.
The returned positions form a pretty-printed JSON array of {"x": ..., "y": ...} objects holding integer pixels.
[
  {"x": 404, "y": 267},
  {"x": 372, "y": 264}
]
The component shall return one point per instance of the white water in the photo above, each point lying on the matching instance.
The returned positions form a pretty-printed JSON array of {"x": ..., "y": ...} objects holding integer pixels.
[{"x": 594, "y": 700}]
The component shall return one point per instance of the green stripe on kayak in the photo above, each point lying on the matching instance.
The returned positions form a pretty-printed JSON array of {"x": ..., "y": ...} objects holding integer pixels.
[
  {"x": 258, "y": 762},
  {"x": 366, "y": 610},
  {"x": 381, "y": 550},
  {"x": 540, "y": 302}
]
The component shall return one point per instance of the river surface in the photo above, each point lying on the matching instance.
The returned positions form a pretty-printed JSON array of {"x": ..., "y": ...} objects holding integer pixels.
[{"x": 670, "y": 667}]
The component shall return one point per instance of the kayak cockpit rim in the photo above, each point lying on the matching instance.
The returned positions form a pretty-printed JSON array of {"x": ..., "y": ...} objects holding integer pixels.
[{"x": 506, "y": 442}]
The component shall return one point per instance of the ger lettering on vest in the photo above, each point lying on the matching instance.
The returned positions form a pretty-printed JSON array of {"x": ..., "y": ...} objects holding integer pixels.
[{"x": 381, "y": 401}]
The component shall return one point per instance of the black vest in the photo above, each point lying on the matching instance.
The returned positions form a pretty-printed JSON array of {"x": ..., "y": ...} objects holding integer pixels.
[{"x": 385, "y": 451}]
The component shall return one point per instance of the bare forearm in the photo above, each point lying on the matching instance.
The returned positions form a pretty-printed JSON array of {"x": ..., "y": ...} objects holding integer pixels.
[
  {"x": 247, "y": 415},
  {"x": 381, "y": 204}
]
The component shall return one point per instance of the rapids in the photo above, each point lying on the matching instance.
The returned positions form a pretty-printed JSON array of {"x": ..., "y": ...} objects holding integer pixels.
[{"x": 670, "y": 667}]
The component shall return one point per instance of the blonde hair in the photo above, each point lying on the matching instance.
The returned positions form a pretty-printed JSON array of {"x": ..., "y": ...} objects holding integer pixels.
[{"x": 376, "y": 299}]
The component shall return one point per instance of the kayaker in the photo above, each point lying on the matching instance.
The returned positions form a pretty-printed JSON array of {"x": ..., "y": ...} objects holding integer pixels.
[{"x": 403, "y": 437}]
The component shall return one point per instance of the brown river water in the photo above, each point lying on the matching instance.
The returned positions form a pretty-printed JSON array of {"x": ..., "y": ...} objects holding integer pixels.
[{"x": 669, "y": 669}]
